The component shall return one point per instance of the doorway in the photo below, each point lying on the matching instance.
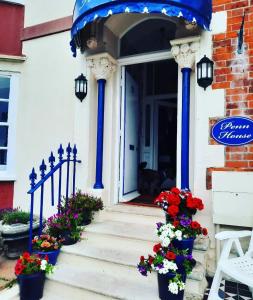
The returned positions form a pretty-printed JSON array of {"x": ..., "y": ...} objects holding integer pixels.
[{"x": 148, "y": 130}]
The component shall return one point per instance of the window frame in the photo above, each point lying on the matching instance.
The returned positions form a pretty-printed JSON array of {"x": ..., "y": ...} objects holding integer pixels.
[{"x": 7, "y": 172}]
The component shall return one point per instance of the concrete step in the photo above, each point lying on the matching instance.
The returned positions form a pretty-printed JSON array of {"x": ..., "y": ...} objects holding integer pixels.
[
  {"x": 57, "y": 291},
  {"x": 117, "y": 281},
  {"x": 145, "y": 232},
  {"x": 132, "y": 214},
  {"x": 117, "y": 249}
]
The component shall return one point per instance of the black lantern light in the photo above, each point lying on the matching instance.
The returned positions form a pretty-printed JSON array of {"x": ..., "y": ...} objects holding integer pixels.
[
  {"x": 81, "y": 87},
  {"x": 205, "y": 72}
]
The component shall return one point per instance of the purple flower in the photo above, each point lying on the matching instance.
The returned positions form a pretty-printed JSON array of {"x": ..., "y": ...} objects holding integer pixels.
[
  {"x": 142, "y": 270},
  {"x": 159, "y": 224},
  {"x": 75, "y": 216},
  {"x": 189, "y": 257},
  {"x": 185, "y": 222}
]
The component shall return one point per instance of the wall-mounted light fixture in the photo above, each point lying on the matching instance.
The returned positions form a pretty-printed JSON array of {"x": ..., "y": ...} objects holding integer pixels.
[
  {"x": 81, "y": 87},
  {"x": 205, "y": 72}
]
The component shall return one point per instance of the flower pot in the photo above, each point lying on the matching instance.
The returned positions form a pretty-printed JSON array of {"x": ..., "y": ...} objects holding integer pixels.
[
  {"x": 52, "y": 255},
  {"x": 68, "y": 240},
  {"x": 86, "y": 217},
  {"x": 31, "y": 286},
  {"x": 184, "y": 244},
  {"x": 163, "y": 282}
]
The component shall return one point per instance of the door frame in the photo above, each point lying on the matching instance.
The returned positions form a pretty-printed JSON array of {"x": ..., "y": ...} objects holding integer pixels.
[{"x": 122, "y": 63}]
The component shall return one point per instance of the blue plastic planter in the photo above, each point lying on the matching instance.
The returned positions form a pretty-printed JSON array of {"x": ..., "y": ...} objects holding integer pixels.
[
  {"x": 31, "y": 286},
  {"x": 163, "y": 282},
  {"x": 184, "y": 244},
  {"x": 52, "y": 255}
]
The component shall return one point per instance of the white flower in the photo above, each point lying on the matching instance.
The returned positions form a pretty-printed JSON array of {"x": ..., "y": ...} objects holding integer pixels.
[
  {"x": 178, "y": 234},
  {"x": 181, "y": 285},
  {"x": 169, "y": 265},
  {"x": 165, "y": 242},
  {"x": 43, "y": 265},
  {"x": 173, "y": 288}
]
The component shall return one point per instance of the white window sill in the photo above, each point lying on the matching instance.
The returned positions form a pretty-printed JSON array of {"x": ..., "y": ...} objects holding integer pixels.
[
  {"x": 7, "y": 177},
  {"x": 13, "y": 58}
]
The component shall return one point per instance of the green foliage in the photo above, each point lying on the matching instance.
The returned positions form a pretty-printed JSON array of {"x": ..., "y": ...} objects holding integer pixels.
[
  {"x": 84, "y": 205},
  {"x": 16, "y": 217}
]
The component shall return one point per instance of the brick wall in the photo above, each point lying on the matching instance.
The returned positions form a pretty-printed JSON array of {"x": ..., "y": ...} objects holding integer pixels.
[{"x": 234, "y": 73}]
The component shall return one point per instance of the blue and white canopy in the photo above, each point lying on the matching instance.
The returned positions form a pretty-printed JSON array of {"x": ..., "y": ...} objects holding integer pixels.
[{"x": 86, "y": 11}]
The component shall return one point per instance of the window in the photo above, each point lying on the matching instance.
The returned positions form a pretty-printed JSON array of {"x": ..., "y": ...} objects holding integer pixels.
[{"x": 8, "y": 91}]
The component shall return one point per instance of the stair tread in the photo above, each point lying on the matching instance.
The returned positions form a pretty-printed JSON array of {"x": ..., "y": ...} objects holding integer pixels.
[
  {"x": 116, "y": 249},
  {"x": 138, "y": 210},
  {"x": 135, "y": 231},
  {"x": 106, "y": 282}
]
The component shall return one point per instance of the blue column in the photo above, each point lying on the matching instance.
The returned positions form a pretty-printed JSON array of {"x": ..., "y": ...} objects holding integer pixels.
[
  {"x": 100, "y": 134},
  {"x": 185, "y": 133}
]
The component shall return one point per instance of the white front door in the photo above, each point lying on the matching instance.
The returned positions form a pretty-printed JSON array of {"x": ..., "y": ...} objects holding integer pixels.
[{"x": 130, "y": 147}]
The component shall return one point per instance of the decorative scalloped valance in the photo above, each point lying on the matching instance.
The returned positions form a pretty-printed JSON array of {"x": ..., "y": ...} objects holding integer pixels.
[{"x": 86, "y": 11}]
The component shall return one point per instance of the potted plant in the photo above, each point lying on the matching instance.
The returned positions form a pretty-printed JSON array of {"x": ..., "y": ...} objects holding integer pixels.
[
  {"x": 64, "y": 226},
  {"x": 180, "y": 234},
  {"x": 14, "y": 228},
  {"x": 176, "y": 203},
  {"x": 85, "y": 205},
  {"x": 46, "y": 245},
  {"x": 172, "y": 267},
  {"x": 30, "y": 271}
]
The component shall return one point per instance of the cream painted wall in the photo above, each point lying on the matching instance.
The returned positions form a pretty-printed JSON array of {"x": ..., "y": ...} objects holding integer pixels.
[
  {"x": 40, "y": 11},
  {"x": 47, "y": 106}
]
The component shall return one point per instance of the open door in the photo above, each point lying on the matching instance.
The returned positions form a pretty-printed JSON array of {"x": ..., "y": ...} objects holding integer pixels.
[{"x": 130, "y": 147}]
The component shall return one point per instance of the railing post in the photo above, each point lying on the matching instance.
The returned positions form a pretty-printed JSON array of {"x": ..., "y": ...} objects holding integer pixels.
[
  {"x": 43, "y": 168},
  {"x": 60, "y": 152},
  {"x": 32, "y": 177},
  {"x": 74, "y": 169},
  {"x": 51, "y": 161},
  {"x": 68, "y": 150}
]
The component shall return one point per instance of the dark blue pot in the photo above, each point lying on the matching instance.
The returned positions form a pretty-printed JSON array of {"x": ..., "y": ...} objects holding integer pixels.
[
  {"x": 67, "y": 239},
  {"x": 52, "y": 255},
  {"x": 184, "y": 244},
  {"x": 31, "y": 286},
  {"x": 163, "y": 282}
]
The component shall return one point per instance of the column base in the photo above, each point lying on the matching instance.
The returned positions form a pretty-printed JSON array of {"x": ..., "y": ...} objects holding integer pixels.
[{"x": 98, "y": 186}]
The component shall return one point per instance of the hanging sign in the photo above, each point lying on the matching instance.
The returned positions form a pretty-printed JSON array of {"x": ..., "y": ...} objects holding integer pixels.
[{"x": 233, "y": 131}]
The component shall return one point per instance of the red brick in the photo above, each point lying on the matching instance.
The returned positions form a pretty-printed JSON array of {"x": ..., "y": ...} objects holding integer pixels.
[
  {"x": 237, "y": 164},
  {"x": 221, "y": 85}
]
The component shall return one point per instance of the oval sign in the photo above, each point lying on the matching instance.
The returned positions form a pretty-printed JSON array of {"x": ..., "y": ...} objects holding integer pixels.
[{"x": 233, "y": 131}]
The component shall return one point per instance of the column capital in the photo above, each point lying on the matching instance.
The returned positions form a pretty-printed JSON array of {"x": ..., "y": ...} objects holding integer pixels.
[
  {"x": 184, "y": 50},
  {"x": 102, "y": 65}
]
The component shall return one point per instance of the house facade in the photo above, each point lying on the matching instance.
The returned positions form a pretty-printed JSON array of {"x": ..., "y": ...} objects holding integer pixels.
[{"x": 141, "y": 69}]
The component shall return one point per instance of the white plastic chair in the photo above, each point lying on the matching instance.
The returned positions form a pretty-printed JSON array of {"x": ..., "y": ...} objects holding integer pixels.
[{"x": 239, "y": 268}]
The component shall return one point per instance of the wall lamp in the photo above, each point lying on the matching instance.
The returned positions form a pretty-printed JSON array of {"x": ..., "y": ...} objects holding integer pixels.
[
  {"x": 205, "y": 72},
  {"x": 81, "y": 87}
]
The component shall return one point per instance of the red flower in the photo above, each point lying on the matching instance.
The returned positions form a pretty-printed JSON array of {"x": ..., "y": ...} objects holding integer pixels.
[
  {"x": 173, "y": 210},
  {"x": 142, "y": 258},
  {"x": 161, "y": 197},
  {"x": 175, "y": 223},
  {"x": 150, "y": 259},
  {"x": 173, "y": 199},
  {"x": 195, "y": 225},
  {"x": 157, "y": 247},
  {"x": 175, "y": 190},
  {"x": 204, "y": 231},
  {"x": 19, "y": 269},
  {"x": 170, "y": 255},
  {"x": 26, "y": 256},
  {"x": 46, "y": 258}
]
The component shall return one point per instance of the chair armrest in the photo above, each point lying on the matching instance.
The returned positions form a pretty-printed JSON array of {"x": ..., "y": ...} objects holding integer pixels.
[{"x": 232, "y": 234}]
